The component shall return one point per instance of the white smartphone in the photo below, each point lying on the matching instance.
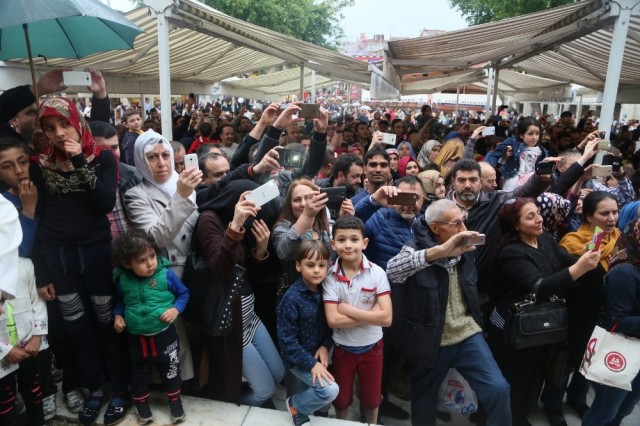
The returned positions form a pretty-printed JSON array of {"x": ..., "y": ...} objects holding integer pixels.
[
  {"x": 489, "y": 131},
  {"x": 389, "y": 138},
  {"x": 263, "y": 194},
  {"x": 604, "y": 145},
  {"x": 191, "y": 161},
  {"x": 76, "y": 78}
]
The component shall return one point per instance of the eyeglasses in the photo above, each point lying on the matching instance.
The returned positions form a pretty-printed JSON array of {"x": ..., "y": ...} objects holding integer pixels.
[
  {"x": 454, "y": 224},
  {"x": 374, "y": 164}
]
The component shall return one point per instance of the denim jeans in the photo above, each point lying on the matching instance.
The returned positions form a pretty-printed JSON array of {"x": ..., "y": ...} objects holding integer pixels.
[
  {"x": 473, "y": 359},
  {"x": 262, "y": 367},
  {"x": 611, "y": 405},
  {"x": 311, "y": 398}
]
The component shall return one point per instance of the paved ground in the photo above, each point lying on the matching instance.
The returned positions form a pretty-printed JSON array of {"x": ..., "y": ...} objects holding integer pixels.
[{"x": 206, "y": 413}]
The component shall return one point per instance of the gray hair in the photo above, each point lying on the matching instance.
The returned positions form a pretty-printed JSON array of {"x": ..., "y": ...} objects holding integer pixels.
[{"x": 436, "y": 210}]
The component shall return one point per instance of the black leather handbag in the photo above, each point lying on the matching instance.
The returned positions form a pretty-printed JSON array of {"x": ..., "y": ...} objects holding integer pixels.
[
  {"x": 211, "y": 297},
  {"x": 533, "y": 323}
]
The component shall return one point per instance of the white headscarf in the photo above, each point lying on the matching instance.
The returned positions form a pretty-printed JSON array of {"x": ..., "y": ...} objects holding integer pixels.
[
  {"x": 423, "y": 156},
  {"x": 145, "y": 143}
]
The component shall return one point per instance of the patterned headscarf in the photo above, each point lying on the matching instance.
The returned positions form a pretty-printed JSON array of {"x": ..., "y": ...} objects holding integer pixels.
[{"x": 48, "y": 156}]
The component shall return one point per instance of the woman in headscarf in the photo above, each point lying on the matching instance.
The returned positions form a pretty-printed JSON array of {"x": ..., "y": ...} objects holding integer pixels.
[
  {"x": 393, "y": 163},
  {"x": 408, "y": 166},
  {"x": 449, "y": 154},
  {"x": 164, "y": 206},
  {"x": 429, "y": 152},
  {"x": 405, "y": 149},
  {"x": 433, "y": 185},
  {"x": 77, "y": 189},
  {"x": 622, "y": 310},
  {"x": 248, "y": 351}
]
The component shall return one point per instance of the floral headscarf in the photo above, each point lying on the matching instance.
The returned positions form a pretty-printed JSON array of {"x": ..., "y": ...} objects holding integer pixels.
[{"x": 48, "y": 156}]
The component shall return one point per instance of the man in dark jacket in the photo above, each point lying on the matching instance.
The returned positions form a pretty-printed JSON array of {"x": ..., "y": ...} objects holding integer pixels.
[
  {"x": 437, "y": 316},
  {"x": 480, "y": 211}
]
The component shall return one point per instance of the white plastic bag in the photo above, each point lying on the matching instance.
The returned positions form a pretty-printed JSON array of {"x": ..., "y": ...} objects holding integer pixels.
[
  {"x": 455, "y": 394},
  {"x": 611, "y": 359}
]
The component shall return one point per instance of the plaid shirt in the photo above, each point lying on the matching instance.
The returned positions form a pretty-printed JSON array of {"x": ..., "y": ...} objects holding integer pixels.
[{"x": 118, "y": 219}]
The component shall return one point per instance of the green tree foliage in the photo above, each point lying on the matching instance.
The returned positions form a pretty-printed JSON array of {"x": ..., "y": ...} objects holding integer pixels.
[
  {"x": 318, "y": 22},
  {"x": 482, "y": 11}
]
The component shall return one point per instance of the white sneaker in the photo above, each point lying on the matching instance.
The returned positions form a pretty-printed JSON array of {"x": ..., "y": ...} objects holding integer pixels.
[
  {"x": 49, "y": 407},
  {"x": 74, "y": 400}
]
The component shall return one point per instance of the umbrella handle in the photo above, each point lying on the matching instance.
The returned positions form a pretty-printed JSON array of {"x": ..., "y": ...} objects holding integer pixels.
[{"x": 33, "y": 72}]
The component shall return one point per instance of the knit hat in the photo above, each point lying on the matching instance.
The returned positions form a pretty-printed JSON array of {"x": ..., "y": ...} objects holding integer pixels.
[{"x": 13, "y": 101}]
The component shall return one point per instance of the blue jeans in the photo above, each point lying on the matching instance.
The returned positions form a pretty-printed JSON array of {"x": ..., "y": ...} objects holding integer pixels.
[
  {"x": 611, "y": 405},
  {"x": 310, "y": 397},
  {"x": 473, "y": 359},
  {"x": 262, "y": 367}
]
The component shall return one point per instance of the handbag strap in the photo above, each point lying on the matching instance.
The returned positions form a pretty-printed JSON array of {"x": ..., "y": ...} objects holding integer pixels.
[{"x": 534, "y": 290}]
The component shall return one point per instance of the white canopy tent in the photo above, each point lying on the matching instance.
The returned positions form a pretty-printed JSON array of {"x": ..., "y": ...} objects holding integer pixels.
[
  {"x": 189, "y": 44},
  {"x": 593, "y": 43},
  {"x": 509, "y": 82},
  {"x": 273, "y": 86}
]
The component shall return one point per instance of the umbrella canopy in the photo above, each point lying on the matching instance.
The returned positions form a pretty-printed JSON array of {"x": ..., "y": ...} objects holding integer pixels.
[{"x": 62, "y": 28}]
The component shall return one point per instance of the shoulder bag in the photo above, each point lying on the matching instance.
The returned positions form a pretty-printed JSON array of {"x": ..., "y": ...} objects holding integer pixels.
[
  {"x": 536, "y": 323},
  {"x": 211, "y": 297}
]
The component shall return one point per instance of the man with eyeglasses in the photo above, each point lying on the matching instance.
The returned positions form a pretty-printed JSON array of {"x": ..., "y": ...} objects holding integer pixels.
[{"x": 437, "y": 316}]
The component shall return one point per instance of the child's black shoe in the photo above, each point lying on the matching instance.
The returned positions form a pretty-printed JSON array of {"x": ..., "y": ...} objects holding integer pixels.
[
  {"x": 177, "y": 411},
  {"x": 117, "y": 409},
  {"x": 143, "y": 413},
  {"x": 91, "y": 409}
]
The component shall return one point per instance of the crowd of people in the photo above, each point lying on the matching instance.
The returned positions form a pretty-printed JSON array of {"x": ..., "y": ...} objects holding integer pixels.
[{"x": 391, "y": 250}]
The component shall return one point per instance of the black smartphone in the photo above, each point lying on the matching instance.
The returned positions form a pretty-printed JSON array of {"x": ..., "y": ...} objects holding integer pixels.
[
  {"x": 289, "y": 158},
  {"x": 545, "y": 168},
  {"x": 611, "y": 160},
  {"x": 309, "y": 111},
  {"x": 336, "y": 196},
  {"x": 403, "y": 199}
]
